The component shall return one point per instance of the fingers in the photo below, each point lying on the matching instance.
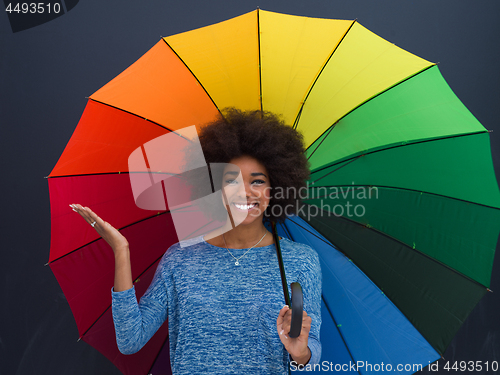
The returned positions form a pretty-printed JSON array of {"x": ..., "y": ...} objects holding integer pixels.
[
  {"x": 108, "y": 233},
  {"x": 281, "y": 315},
  {"x": 280, "y": 321},
  {"x": 306, "y": 324},
  {"x": 82, "y": 211},
  {"x": 89, "y": 216}
]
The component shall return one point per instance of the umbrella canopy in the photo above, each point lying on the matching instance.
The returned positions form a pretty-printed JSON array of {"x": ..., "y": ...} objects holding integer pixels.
[{"x": 402, "y": 204}]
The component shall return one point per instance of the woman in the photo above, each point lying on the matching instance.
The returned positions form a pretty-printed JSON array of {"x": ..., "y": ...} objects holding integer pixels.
[{"x": 221, "y": 293}]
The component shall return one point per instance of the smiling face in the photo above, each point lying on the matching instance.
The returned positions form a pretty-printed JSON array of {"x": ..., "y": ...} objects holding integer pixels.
[{"x": 246, "y": 190}]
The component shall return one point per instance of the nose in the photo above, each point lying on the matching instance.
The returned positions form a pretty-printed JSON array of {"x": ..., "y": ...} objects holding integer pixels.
[{"x": 245, "y": 190}]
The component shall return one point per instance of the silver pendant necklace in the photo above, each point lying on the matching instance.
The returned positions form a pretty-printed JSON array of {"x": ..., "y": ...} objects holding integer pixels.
[{"x": 237, "y": 260}]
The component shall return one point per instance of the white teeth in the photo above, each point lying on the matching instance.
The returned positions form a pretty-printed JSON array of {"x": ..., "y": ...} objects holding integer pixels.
[{"x": 245, "y": 206}]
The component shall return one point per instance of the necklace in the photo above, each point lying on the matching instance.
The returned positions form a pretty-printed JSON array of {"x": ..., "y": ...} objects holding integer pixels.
[{"x": 237, "y": 263}]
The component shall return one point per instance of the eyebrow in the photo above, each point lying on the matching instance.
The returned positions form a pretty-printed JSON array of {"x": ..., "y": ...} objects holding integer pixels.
[
  {"x": 234, "y": 173},
  {"x": 258, "y": 174}
]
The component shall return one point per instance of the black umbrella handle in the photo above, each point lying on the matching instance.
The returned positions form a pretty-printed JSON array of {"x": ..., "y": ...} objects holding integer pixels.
[
  {"x": 297, "y": 302},
  {"x": 297, "y": 308}
]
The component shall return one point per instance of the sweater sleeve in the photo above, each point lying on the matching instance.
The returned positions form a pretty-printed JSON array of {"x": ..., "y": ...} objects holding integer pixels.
[{"x": 135, "y": 323}]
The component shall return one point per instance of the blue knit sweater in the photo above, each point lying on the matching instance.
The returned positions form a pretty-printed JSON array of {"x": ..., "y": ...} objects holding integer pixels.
[{"x": 221, "y": 317}]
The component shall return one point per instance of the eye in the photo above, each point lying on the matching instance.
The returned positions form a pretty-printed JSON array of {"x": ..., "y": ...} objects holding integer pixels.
[
  {"x": 258, "y": 182},
  {"x": 231, "y": 182}
]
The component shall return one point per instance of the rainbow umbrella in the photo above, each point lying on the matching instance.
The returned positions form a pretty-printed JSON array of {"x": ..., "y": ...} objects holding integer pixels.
[{"x": 402, "y": 204}]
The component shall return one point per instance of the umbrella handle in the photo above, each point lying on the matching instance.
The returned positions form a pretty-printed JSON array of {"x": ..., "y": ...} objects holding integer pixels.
[
  {"x": 297, "y": 308},
  {"x": 297, "y": 303}
]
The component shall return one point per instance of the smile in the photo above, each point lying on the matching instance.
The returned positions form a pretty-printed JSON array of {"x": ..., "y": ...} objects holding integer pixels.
[{"x": 244, "y": 207}]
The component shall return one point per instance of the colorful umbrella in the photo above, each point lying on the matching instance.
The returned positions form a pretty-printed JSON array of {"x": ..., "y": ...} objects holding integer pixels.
[{"x": 402, "y": 205}]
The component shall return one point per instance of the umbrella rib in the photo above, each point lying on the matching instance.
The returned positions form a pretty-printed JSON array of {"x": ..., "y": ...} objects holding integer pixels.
[
  {"x": 260, "y": 60},
  {"x": 133, "y": 114},
  {"x": 100, "y": 238},
  {"x": 409, "y": 247},
  {"x": 352, "y": 158},
  {"x": 111, "y": 173},
  {"x": 297, "y": 118},
  {"x": 325, "y": 137},
  {"x": 315, "y": 235},
  {"x": 197, "y": 230},
  {"x": 88, "y": 174},
  {"x": 285, "y": 229},
  {"x": 342, "y": 166},
  {"x": 195, "y": 77},
  {"x": 338, "y": 330},
  {"x": 367, "y": 100},
  {"x": 99, "y": 317},
  {"x": 296, "y": 121},
  {"x": 159, "y": 352},
  {"x": 412, "y": 190}
]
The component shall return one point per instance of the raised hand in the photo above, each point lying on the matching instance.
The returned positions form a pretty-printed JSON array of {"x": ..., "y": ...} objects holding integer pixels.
[
  {"x": 119, "y": 244},
  {"x": 108, "y": 233}
]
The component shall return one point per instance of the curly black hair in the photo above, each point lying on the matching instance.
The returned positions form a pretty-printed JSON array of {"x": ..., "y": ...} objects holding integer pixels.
[{"x": 265, "y": 137}]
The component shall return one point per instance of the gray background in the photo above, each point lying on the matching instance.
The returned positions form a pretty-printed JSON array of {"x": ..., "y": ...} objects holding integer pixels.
[{"x": 47, "y": 72}]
